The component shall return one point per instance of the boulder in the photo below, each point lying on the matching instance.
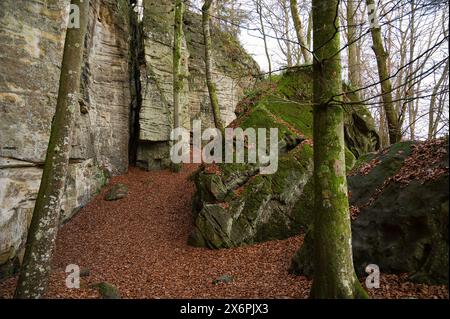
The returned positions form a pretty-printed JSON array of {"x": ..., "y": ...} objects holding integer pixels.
[
  {"x": 19, "y": 186},
  {"x": 116, "y": 192},
  {"x": 107, "y": 290},
  {"x": 234, "y": 203},
  {"x": 400, "y": 213},
  {"x": 223, "y": 279},
  {"x": 245, "y": 207}
]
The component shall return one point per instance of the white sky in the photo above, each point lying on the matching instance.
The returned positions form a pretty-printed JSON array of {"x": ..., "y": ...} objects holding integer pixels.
[{"x": 255, "y": 47}]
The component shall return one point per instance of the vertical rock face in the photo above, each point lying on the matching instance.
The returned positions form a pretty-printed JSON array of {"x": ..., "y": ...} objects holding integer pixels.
[
  {"x": 121, "y": 71},
  {"x": 32, "y": 37},
  {"x": 32, "y": 40},
  {"x": 156, "y": 112},
  {"x": 233, "y": 70},
  {"x": 102, "y": 129}
]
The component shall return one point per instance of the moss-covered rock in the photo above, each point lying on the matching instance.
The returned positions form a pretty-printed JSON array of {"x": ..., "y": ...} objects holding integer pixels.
[
  {"x": 116, "y": 192},
  {"x": 244, "y": 207},
  {"x": 9, "y": 268},
  {"x": 402, "y": 220},
  {"x": 234, "y": 204},
  {"x": 361, "y": 136},
  {"x": 107, "y": 290}
]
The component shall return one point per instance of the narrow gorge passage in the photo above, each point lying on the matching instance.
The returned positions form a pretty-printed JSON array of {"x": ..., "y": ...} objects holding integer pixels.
[{"x": 139, "y": 245}]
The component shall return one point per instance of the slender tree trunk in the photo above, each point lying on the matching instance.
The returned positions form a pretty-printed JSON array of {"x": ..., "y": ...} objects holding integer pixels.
[
  {"x": 383, "y": 131},
  {"x": 35, "y": 271},
  {"x": 360, "y": 19},
  {"x": 334, "y": 274},
  {"x": 309, "y": 31},
  {"x": 385, "y": 81},
  {"x": 266, "y": 49},
  {"x": 410, "y": 85},
  {"x": 432, "y": 122},
  {"x": 353, "y": 69},
  {"x": 402, "y": 51},
  {"x": 299, "y": 31},
  {"x": 177, "y": 47},
  {"x": 286, "y": 31},
  {"x": 412, "y": 115},
  {"x": 440, "y": 109},
  {"x": 208, "y": 61}
]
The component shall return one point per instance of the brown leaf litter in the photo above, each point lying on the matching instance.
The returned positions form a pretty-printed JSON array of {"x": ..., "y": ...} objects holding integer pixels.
[{"x": 138, "y": 244}]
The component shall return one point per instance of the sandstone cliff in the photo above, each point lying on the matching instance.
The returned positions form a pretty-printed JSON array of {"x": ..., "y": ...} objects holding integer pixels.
[
  {"x": 233, "y": 73},
  {"x": 33, "y": 38},
  {"x": 125, "y": 104}
]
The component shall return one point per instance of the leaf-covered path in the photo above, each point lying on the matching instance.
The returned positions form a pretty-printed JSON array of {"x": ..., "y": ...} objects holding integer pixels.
[{"x": 139, "y": 245}]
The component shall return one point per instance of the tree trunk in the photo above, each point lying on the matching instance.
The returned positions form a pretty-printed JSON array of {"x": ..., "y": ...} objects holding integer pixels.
[
  {"x": 360, "y": 19},
  {"x": 353, "y": 69},
  {"x": 334, "y": 274},
  {"x": 400, "y": 91},
  {"x": 432, "y": 122},
  {"x": 299, "y": 31},
  {"x": 209, "y": 80},
  {"x": 177, "y": 47},
  {"x": 412, "y": 115},
  {"x": 383, "y": 132},
  {"x": 409, "y": 83},
  {"x": 385, "y": 81},
  {"x": 286, "y": 31},
  {"x": 35, "y": 271},
  {"x": 266, "y": 49},
  {"x": 440, "y": 109},
  {"x": 309, "y": 31}
]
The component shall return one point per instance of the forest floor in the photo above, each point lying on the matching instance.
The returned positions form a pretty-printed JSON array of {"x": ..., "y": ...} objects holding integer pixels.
[{"x": 139, "y": 244}]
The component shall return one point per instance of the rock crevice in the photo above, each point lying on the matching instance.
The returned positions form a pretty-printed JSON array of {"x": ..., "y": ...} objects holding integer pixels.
[{"x": 125, "y": 104}]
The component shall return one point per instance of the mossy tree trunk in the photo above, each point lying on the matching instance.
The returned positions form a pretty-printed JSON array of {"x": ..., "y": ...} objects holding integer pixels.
[
  {"x": 383, "y": 74},
  {"x": 177, "y": 47},
  {"x": 35, "y": 271},
  {"x": 334, "y": 274},
  {"x": 299, "y": 31},
  {"x": 208, "y": 62}
]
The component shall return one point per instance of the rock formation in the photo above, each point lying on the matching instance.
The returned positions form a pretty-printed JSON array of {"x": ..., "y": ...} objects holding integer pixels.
[
  {"x": 125, "y": 105},
  {"x": 33, "y": 38},
  {"x": 399, "y": 200},
  {"x": 235, "y": 205},
  {"x": 234, "y": 72}
]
